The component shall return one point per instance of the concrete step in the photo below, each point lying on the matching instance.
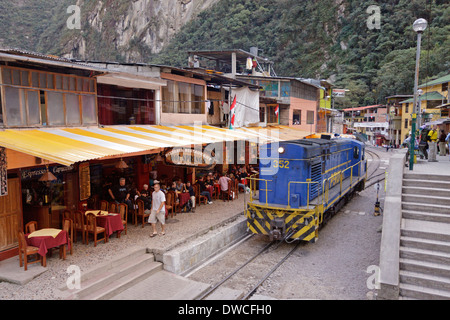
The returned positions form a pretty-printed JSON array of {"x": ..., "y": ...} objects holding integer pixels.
[
  {"x": 428, "y": 199},
  {"x": 437, "y": 269},
  {"x": 163, "y": 285},
  {"x": 417, "y": 292},
  {"x": 118, "y": 284},
  {"x": 426, "y": 244},
  {"x": 420, "y": 190},
  {"x": 426, "y": 216},
  {"x": 426, "y": 176},
  {"x": 115, "y": 275},
  {"x": 418, "y": 206},
  {"x": 440, "y": 184},
  {"x": 425, "y": 280},
  {"x": 425, "y": 255},
  {"x": 425, "y": 229}
]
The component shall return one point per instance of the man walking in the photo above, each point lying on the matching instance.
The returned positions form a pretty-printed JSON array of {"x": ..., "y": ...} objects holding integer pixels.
[{"x": 158, "y": 211}]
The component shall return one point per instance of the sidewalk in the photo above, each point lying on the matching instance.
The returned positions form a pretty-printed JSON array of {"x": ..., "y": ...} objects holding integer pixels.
[
  {"x": 182, "y": 228},
  {"x": 442, "y": 167}
]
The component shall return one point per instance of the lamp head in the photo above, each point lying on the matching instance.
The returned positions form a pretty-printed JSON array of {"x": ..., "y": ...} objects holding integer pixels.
[{"x": 420, "y": 25}]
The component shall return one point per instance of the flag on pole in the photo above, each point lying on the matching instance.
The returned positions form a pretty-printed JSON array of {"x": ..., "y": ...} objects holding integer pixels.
[
  {"x": 232, "y": 112},
  {"x": 277, "y": 113}
]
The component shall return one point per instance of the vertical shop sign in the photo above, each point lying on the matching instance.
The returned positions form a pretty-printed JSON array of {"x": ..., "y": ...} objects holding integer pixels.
[
  {"x": 85, "y": 181},
  {"x": 3, "y": 173}
]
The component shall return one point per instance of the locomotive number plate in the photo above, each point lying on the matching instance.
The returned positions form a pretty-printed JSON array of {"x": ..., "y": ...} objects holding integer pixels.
[{"x": 283, "y": 164}]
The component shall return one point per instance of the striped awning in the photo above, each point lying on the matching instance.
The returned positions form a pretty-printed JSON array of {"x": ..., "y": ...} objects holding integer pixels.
[{"x": 67, "y": 146}]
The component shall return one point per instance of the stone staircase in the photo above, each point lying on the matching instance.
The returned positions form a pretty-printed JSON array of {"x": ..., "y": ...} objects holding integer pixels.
[
  {"x": 114, "y": 277},
  {"x": 425, "y": 237}
]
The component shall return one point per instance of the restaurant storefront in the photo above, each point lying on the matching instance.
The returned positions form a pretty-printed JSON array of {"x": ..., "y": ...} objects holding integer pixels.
[{"x": 84, "y": 164}]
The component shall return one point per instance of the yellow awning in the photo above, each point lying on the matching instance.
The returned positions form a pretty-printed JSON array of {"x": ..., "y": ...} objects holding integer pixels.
[{"x": 67, "y": 146}]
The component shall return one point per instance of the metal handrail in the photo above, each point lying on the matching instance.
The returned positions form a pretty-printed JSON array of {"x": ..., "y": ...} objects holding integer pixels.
[{"x": 307, "y": 197}]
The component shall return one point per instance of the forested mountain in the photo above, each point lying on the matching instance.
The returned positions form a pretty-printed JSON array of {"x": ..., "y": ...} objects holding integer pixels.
[{"x": 328, "y": 39}]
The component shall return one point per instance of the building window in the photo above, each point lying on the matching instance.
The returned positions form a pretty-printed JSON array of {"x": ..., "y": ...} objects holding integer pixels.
[
  {"x": 406, "y": 123},
  {"x": 262, "y": 114},
  {"x": 297, "y": 117},
  {"x": 271, "y": 116},
  {"x": 310, "y": 117},
  {"x": 445, "y": 86},
  {"x": 37, "y": 98},
  {"x": 181, "y": 97},
  {"x": 118, "y": 106}
]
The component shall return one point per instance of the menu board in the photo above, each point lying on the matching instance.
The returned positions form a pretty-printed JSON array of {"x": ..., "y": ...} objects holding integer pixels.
[{"x": 85, "y": 181}]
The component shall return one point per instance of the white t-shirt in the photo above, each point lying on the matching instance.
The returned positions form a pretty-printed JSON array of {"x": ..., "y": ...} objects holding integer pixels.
[{"x": 158, "y": 198}]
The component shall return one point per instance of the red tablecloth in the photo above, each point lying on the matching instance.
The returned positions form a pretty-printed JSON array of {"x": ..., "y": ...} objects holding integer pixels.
[
  {"x": 111, "y": 223},
  {"x": 184, "y": 198},
  {"x": 48, "y": 242}
]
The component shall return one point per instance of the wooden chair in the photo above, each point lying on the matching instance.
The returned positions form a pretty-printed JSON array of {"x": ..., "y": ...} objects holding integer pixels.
[
  {"x": 199, "y": 196},
  {"x": 227, "y": 193},
  {"x": 175, "y": 205},
  {"x": 104, "y": 205},
  {"x": 113, "y": 207},
  {"x": 169, "y": 202},
  {"x": 123, "y": 210},
  {"x": 26, "y": 250},
  {"x": 140, "y": 213},
  {"x": 68, "y": 227},
  {"x": 79, "y": 225},
  {"x": 91, "y": 227},
  {"x": 67, "y": 214},
  {"x": 31, "y": 227},
  {"x": 236, "y": 188}
]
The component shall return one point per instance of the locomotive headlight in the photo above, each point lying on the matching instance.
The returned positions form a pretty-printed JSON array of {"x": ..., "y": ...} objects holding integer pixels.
[{"x": 281, "y": 150}]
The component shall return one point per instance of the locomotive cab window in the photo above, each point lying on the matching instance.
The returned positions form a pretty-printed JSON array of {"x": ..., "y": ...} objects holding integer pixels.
[{"x": 355, "y": 152}]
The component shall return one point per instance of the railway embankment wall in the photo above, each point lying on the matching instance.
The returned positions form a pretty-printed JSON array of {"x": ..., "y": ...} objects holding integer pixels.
[{"x": 390, "y": 239}]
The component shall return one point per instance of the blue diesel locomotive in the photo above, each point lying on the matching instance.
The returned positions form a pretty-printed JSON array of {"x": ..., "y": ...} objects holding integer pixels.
[{"x": 301, "y": 183}]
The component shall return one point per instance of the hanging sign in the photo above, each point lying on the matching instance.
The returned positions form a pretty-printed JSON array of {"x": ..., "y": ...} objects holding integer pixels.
[{"x": 187, "y": 157}]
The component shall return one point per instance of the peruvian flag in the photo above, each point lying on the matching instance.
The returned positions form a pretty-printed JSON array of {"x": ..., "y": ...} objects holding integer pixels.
[
  {"x": 277, "y": 113},
  {"x": 232, "y": 112}
]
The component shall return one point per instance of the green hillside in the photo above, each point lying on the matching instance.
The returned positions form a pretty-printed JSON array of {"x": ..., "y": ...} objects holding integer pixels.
[
  {"x": 313, "y": 38},
  {"x": 322, "y": 39}
]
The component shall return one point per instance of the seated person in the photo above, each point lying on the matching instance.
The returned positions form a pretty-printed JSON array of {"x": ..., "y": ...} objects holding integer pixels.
[
  {"x": 189, "y": 188},
  {"x": 204, "y": 191},
  {"x": 121, "y": 194},
  {"x": 146, "y": 196},
  {"x": 223, "y": 181}
]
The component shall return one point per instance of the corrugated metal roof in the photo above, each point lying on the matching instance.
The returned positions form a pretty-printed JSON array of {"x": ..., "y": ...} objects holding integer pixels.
[{"x": 70, "y": 145}]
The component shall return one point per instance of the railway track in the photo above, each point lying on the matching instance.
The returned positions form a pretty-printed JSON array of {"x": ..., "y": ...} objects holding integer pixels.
[
  {"x": 372, "y": 176},
  {"x": 274, "y": 245}
]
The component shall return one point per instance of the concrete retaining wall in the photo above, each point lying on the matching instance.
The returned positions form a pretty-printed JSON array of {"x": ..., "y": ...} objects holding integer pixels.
[
  {"x": 390, "y": 239},
  {"x": 186, "y": 257}
]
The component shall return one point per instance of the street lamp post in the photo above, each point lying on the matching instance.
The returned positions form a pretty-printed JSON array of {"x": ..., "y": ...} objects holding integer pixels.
[{"x": 419, "y": 27}]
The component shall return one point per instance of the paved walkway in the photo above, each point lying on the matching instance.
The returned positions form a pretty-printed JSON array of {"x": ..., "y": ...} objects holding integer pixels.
[
  {"x": 440, "y": 167},
  {"x": 183, "y": 227}
]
